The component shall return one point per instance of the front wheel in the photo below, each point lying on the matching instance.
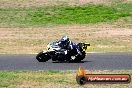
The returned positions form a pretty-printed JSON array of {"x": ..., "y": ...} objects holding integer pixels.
[
  {"x": 43, "y": 57},
  {"x": 79, "y": 58}
]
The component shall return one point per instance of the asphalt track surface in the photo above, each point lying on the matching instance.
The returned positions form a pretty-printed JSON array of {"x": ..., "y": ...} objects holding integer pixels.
[{"x": 93, "y": 61}]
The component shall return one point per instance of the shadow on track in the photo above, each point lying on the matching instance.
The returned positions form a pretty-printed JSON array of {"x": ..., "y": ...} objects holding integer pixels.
[{"x": 73, "y": 62}]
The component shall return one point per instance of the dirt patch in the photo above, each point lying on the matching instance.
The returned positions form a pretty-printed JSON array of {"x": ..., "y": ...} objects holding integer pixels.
[
  {"x": 113, "y": 33},
  {"x": 32, "y": 40},
  {"x": 26, "y": 84},
  {"x": 54, "y": 85},
  {"x": 38, "y": 3},
  {"x": 100, "y": 30},
  {"x": 124, "y": 22},
  {"x": 95, "y": 1}
]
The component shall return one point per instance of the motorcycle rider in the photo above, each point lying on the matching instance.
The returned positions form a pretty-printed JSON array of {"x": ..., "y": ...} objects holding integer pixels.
[{"x": 65, "y": 43}]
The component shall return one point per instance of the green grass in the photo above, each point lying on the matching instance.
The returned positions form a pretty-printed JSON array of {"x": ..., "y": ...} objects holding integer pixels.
[
  {"x": 54, "y": 15},
  {"x": 35, "y": 79},
  {"x": 7, "y": 78},
  {"x": 13, "y": 78}
]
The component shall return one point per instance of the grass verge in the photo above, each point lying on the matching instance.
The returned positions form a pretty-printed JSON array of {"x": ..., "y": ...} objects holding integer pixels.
[
  {"x": 53, "y": 78},
  {"x": 103, "y": 38},
  {"x": 34, "y": 27},
  {"x": 63, "y": 14}
]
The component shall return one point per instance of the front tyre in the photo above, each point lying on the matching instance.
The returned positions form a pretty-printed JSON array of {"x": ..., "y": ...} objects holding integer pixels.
[
  {"x": 79, "y": 58},
  {"x": 43, "y": 57}
]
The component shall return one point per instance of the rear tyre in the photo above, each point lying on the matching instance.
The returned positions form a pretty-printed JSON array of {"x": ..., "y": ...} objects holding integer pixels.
[{"x": 42, "y": 57}]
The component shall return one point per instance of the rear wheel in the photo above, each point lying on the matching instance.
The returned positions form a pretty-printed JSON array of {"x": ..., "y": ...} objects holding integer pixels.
[{"x": 42, "y": 57}]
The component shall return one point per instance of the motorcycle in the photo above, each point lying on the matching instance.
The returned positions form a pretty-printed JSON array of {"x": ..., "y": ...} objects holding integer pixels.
[{"x": 56, "y": 53}]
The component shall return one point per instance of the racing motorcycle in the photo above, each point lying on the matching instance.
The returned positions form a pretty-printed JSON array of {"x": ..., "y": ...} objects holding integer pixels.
[{"x": 54, "y": 52}]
